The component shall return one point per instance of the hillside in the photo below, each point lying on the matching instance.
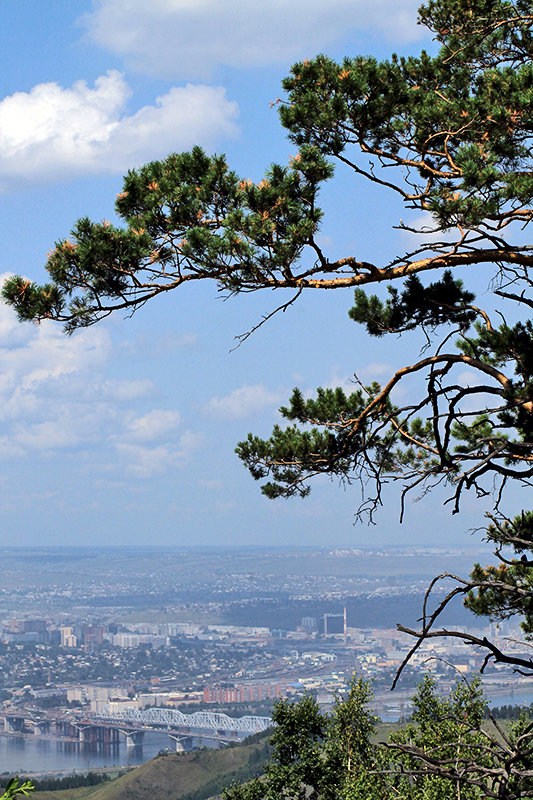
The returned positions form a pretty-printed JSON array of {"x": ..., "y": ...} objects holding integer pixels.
[
  {"x": 197, "y": 775},
  {"x": 178, "y": 776}
]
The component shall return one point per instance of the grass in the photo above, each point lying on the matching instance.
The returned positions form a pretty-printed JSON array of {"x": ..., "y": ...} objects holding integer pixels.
[{"x": 176, "y": 775}]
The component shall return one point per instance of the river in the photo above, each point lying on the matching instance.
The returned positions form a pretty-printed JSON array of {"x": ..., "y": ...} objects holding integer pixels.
[
  {"x": 25, "y": 755},
  {"x": 392, "y": 707}
]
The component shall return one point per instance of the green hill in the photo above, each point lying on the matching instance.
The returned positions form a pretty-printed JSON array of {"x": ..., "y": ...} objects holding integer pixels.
[{"x": 178, "y": 776}]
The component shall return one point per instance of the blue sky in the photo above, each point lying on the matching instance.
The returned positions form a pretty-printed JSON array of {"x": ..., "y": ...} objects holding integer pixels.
[{"x": 124, "y": 433}]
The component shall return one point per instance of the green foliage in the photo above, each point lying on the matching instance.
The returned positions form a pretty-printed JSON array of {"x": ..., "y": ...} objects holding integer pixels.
[
  {"x": 186, "y": 217},
  {"x": 297, "y": 755},
  {"x": 489, "y": 30},
  {"x": 447, "y": 731},
  {"x": 367, "y": 436},
  {"x": 71, "y": 781},
  {"x": 442, "y": 302},
  {"x": 292, "y": 453},
  {"x": 451, "y": 135},
  {"x": 312, "y": 751},
  {"x": 510, "y": 712},
  {"x": 445, "y": 752},
  {"x": 16, "y": 788},
  {"x": 455, "y": 122},
  {"x": 506, "y": 589},
  {"x": 453, "y": 132}
]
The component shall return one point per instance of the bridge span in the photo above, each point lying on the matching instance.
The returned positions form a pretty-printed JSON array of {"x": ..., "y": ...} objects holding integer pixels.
[
  {"x": 72, "y": 728},
  {"x": 171, "y": 718},
  {"x": 105, "y": 727}
]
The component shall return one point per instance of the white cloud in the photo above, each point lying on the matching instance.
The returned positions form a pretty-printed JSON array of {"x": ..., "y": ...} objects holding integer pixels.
[
  {"x": 56, "y": 434},
  {"x": 154, "y": 425},
  {"x": 242, "y": 402},
  {"x": 157, "y": 345},
  {"x": 424, "y": 231},
  {"x": 470, "y": 378},
  {"x": 190, "y": 442},
  {"x": 54, "y": 396},
  {"x": 147, "y": 462},
  {"x": 188, "y": 39},
  {"x": 35, "y": 359},
  {"x": 53, "y": 133},
  {"x": 10, "y": 449},
  {"x": 127, "y": 389}
]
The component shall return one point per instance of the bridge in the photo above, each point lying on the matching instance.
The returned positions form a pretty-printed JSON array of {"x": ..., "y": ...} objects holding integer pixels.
[
  {"x": 105, "y": 727},
  {"x": 171, "y": 718},
  {"x": 76, "y": 730}
]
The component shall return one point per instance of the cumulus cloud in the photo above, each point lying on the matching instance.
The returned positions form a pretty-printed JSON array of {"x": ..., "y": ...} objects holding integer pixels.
[
  {"x": 55, "y": 133},
  {"x": 55, "y": 396},
  {"x": 158, "y": 344},
  {"x": 422, "y": 231},
  {"x": 145, "y": 462},
  {"x": 154, "y": 425},
  {"x": 54, "y": 434},
  {"x": 141, "y": 461},
  {"x": 35, "y": 359},
  {"x": 188, "y": 39},
  {"x": 127, "y": 389},
  {"x": 49, "y": 397},
  {"x": 242, "y": 402}
]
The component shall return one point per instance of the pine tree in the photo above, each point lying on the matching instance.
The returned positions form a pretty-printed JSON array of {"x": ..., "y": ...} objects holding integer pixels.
[{"x": 450, "y": 135}]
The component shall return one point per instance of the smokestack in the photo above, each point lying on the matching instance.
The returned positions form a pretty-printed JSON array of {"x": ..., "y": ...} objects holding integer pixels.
[{"x": 344, "y": 624}]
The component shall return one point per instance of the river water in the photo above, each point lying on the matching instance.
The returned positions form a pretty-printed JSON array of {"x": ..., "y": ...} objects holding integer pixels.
[
  {"x": 25, "y": 755},
  {"x": 31, "y": 755},
  {"x": 390, "y": 711}
]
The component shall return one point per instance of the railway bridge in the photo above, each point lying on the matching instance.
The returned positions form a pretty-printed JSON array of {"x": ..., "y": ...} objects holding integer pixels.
[
  {"x": 106, "y": 727},
  {"x": 208, "y": 722}
]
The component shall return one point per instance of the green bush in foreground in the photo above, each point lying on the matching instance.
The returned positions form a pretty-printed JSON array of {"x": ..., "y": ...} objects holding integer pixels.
[
  {"x": 444, "y": 753},
  {"x": 14, "y": 788}
]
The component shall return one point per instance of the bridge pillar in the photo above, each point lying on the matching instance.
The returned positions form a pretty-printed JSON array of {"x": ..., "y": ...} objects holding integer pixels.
[
  {"x": 105, "y": 735},
  {"x": 133, "y": 738},
  {"x": 13, "y": 724},
  {"x": 41, "y": 728},
  {"x": 67, "y": 729},
  {"x": 180, "y": 741},
  {"x": 84, "y": 733}
]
